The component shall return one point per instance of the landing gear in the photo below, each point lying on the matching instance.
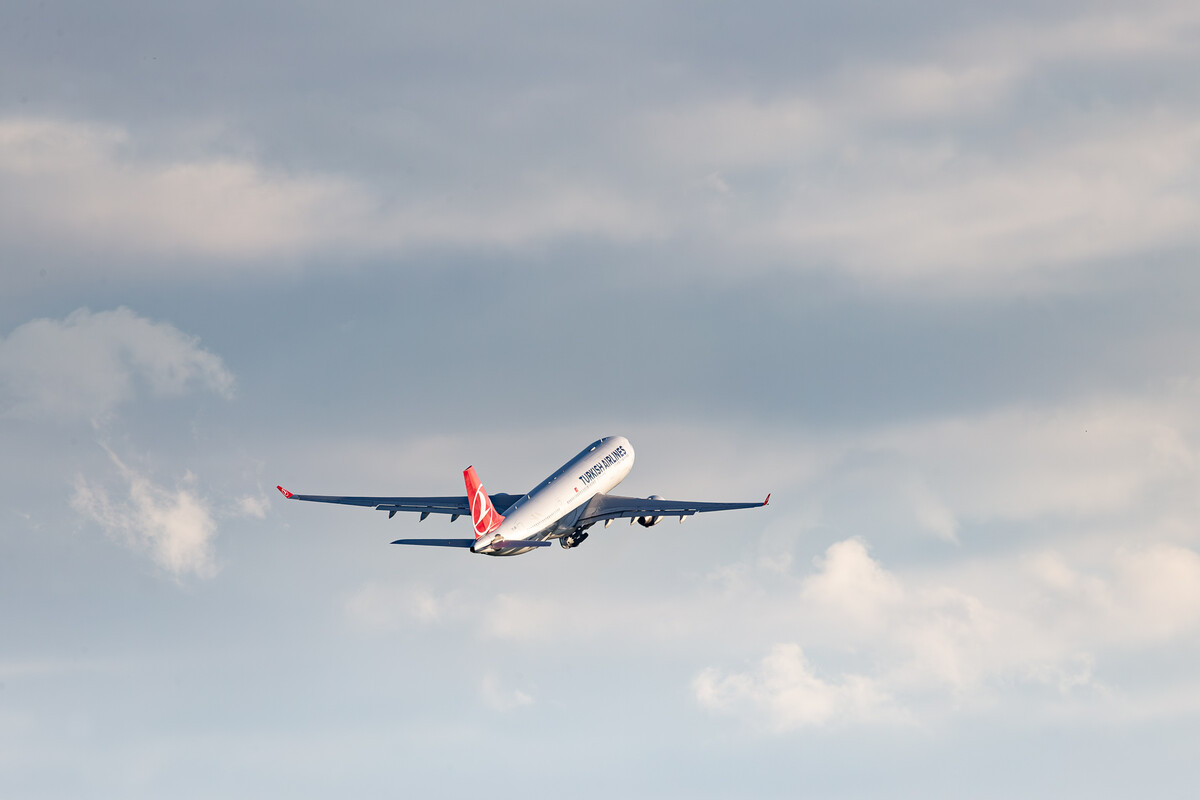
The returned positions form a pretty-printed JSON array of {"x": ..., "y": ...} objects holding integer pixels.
[{"x": 572, "y": 540}]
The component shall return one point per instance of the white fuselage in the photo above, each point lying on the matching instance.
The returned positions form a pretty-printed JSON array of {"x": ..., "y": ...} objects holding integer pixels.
[{"x": 549, "y": 510}]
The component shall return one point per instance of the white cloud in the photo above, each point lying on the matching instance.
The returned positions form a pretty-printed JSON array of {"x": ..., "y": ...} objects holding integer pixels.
[
  {"x": 785, "y": 692},
  {"x": 1157, "y": 590},
  {"x": 934, "y": 643},
  {"x": 850, "y": 582},
  {"x": 947, "y": 213},
  {"x": 924, "y": 90},
  {"x": 1143, "y": 595},
  {"x": 932, "y": 633},
  {"x": 933, "y": 514},
  {"x": 252, "y": 506},
  {"x": 1155, "y": 29},
  {"x": 881, "y": 170},
  {"x": 972, "y": 219},
  {"x": 517, "y": 616},
  {"x": 88, "y": 364},
  {"x": 500, "y": 696},
  {"x": 1085, "y": 460},
  {"x": 175, "y": 527},
  {"x": 379, "y": 607},
  {"x": 1112, "y": 574},
  {"x": 82, "y": 186}
]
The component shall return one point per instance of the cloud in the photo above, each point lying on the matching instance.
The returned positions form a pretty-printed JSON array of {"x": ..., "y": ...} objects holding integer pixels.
[
  {"x": 931, "y": 632},
  {"x": 881, "y": 169},
  {"x": 1157, "y": 29},
  {"x": 934, "y": 644},
  {"x": 849, "y": 581},
  {"x": 785, "y": 692},
  {"x": 87, "y": 365},
  {"x": 972, "y": 219},
  {"x": 933, "y": 514},
  {"x": 1076, "y": 528},
  {"x": 174, "y": 527},
  {"x": 952, "y": 213},
  {"x": 1150, "y": 595},
  {"x": 85, "y": 186},
  {"x": 1091, "y": 459},
  {"x": 252, "y": 506},
  {"x": 937, "y": 170},
  {"x": 926, "y": 170},
  {"x": 500, "y": 696},
  {"x": 379, "y": 607},
  {"x": 736, "y": 132}
]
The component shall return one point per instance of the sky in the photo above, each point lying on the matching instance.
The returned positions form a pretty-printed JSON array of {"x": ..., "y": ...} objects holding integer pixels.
[{"x": 926, "y": 272}]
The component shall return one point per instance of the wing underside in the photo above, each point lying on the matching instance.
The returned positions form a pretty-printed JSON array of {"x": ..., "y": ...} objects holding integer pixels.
[
  {"x": 455, "y": 506},
  {"x": 609, "y": 506}
]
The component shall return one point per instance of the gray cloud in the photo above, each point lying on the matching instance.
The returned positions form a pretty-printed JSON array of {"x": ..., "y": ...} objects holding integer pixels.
[
  {"x": 72, "y": 182},
  {"x": 934, "y": 166},
  {"x": 89, "y": 364}
]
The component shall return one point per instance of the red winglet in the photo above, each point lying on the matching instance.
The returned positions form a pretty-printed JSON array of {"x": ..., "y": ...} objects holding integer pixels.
[
  {"x": 768, "y": 499},
  {"x": 285, "y": 492},
  {"x": 483, "y": 513}
]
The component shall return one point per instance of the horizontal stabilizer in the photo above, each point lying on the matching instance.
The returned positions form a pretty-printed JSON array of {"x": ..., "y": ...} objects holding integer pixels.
[
  {"x": 513, "y": 544},
  {"x": 437, "y": 542}
]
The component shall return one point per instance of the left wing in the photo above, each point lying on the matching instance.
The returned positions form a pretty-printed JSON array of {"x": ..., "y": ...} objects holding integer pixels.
[
  {"x": 454, "y": 506},
  {"x": 610, "y": 506}
]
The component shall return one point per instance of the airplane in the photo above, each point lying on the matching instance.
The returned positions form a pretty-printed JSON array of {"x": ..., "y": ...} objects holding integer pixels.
[{"x": 561, "y": 507}]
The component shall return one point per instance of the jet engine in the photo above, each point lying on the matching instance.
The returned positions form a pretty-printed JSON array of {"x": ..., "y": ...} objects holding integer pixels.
[{"x": 648, "y": 522}]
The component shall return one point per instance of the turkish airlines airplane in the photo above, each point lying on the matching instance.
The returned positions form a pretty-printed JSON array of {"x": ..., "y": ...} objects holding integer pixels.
[{"x": 561, "y": 507}]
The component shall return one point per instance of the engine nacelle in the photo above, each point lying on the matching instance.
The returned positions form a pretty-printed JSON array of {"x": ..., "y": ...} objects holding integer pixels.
[{"x": 649, "y": 522}]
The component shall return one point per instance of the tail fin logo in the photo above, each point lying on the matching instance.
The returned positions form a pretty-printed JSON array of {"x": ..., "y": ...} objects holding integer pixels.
[{"x": 483, "y": 513}]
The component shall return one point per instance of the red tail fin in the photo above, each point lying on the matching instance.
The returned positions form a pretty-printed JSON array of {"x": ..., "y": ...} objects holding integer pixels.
[{"x": 483, "y": 513}]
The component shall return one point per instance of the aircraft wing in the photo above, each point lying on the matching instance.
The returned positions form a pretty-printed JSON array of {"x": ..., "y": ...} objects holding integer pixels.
[
  {"x": 610, "y": 506},
  {"x": 456, "y": 506}
]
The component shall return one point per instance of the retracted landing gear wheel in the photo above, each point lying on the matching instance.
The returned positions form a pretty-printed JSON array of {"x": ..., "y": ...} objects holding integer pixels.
[{"x": 572, "y": 540}]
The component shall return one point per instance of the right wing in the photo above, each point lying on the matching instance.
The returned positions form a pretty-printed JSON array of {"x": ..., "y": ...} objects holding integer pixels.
[
  {"x": 610, "y": 506},
  {"x": 454, "y": 506}
]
